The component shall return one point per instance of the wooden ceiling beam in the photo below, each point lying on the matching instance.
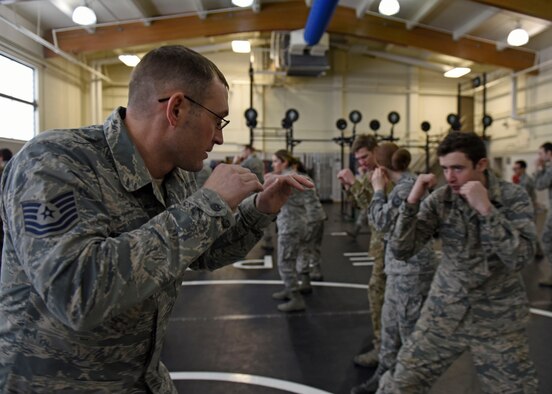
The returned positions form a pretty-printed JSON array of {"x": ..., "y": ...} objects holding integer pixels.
[
  {"x": 291, "y": 16},
  {"x": 538, "y": 8}
]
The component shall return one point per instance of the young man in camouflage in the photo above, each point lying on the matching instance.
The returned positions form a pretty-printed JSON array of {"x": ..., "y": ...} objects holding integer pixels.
[
  {"x": 360, "y": 189},
  {"x": 103, "y": 221},
  {"x": 477, "y": 300},
  {"x": 543, "y": 181}
]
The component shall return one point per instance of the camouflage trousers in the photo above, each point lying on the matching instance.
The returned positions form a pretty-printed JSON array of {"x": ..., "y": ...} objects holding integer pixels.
[
  {"x": 501, "y": 361},
  {"x": 313, "y": 242},
  {"x": 547, "y": 238},
  {"x": 404, "y": 298},
  {"x": 290, "y": 246},
  {"x": 376, "y": 284}
]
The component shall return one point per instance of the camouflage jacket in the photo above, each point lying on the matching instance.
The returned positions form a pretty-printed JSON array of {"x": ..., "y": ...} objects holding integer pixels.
[
  {"x": 527, "y": 182},
  {"x": 315, "y": 210},
  {"x": 482, "y": 255},
  {"x": 383, "y": 213},
  {"x": 543, "y": 180},
  {"x": 255, "y": 165},
  {"x": 94, "y": 258},
  {"x": 361, "y": 192},
  {"x": 292, "y": 218}
]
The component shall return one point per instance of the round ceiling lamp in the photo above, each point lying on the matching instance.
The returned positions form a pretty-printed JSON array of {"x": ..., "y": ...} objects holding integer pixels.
[
  {"x": 389, "y": 7},
  {"x": 518, "y": 37},
  {"x": 84, "y": 16}
]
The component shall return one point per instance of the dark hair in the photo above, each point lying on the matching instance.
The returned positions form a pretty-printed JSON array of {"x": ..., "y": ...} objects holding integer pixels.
[
  {"x": 249, "y": 147},
  {"x": 389, "y": 155},
  {"x": 521, "y": 163},
  {"x": 364, "y": 141},
  {"x": 468, "y": 143},
  {"x": 167, "y": 68},
  {"x": 547, "y": 146},
  {"x": 284, "y": 155},
  {"x": 6, "y": 154}
]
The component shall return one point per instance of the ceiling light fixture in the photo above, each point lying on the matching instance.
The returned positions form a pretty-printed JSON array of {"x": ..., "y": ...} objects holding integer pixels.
[
  {"x": 83, "y": 15},
  {"x": 518, "y": 37},
  {"x": 241, "y": 46},
  {"x": 242, "y": 3},
  {"x": 457, "y": 72},
  {"x": 129, "y": 60},
  {"x": 389, "y": 7}
]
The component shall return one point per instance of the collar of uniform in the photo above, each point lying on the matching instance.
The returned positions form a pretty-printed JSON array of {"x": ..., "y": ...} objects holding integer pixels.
[{"x": 128, "y": 162}]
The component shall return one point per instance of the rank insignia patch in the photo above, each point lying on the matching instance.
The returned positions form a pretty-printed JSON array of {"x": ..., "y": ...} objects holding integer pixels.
[{"x": 46, "y": 218}]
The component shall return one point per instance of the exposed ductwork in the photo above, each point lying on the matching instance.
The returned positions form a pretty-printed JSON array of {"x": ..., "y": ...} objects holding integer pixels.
[{"x": 319, "y": 18}]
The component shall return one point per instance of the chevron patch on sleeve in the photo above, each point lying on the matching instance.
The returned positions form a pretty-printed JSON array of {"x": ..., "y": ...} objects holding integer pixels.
[{"x": 47, "y": 218}]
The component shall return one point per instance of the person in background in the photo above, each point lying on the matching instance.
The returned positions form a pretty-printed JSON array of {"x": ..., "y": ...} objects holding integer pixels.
[
  {"x": 316, "y": 216},
  {"x": 292, "y": 229},
  {"x": 407, "y": 281},
  {"x": 360, "y": 190},
  {"x": 248, "y": 159},
  {"x": 102, "y": 222},
  {"x": 477, "y": 300},
  {"x": 543, "y": 181},
  {"x": 520, "y": 177}
]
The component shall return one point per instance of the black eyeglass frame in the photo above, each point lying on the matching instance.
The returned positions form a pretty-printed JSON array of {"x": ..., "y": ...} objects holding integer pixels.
[{"x": 224, "y": 121}]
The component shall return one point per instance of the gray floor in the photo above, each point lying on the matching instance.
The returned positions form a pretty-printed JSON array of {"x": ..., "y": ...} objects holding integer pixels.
[{"x": 235, "y": 328}]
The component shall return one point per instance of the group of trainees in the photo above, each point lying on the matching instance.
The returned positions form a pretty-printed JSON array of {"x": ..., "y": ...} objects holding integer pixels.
[{"x": 473, "y": 299}]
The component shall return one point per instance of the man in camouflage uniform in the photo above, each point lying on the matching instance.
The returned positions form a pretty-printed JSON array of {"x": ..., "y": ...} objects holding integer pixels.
[
  {"x": 477, "y": 300},
  {"x": 249, "y": 160},
  {"x": 103, "y": 221},
  {"x": 360, "y": 189},
  {"x": 543, "y": 180}
]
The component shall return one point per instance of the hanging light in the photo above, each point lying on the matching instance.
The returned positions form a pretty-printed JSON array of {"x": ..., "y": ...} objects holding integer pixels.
[
  {"x": 389, "y": 7},
  {"x": 241, "y": 46},
  {"x": 242, "y": 3},
  {"x": 129, "y": 60},
  {"x": 457, "y": 72},
  {"x": 83, "y": 15},
  {"x": 518, "y": 37}
]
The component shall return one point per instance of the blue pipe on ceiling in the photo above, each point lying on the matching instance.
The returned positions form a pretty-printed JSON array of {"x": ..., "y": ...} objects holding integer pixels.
[{"x": 319, "y": 18}]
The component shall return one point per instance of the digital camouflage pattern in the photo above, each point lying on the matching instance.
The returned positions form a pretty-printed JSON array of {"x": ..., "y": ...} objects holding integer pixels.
[
  {"x": 543, "y": 181},
  {"x": 407, "y": 281},
  {"x": 477, "y": 300},
  {"x": 310, "y": 255},
  {"x": 94, "y": 258},
  {"x": 292, "y": 228},
  {"x": 361, "y": 192},
  {"x": 255, "y": 165}
]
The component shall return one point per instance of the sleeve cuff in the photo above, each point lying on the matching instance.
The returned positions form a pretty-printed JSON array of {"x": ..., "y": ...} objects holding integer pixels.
[
  {"x": 252, "y": 216},
  {"x": 408, "y": 209}
]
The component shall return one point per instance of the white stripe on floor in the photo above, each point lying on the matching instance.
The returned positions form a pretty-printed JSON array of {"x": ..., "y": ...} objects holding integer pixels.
[
  {"x": 355, "y": 254},
  {"x": 266, "y": 316},
  {"x": 362, "y": 258},
  {"x": 278, "y": 384},
  {"x": 363, "y": 263},
  {"x": 338, "y": 234},
  {"x": 534, "y": 311},
  {"x": 540, "y": 312}
]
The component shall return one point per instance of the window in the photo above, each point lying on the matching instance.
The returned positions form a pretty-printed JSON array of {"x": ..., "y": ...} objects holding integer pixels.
[{"x": 17, "y": 100}]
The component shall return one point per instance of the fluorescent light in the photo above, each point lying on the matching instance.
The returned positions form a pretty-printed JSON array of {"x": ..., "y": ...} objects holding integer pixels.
[
  {"x": 242, "y": 3},
  {"x": 129, "y": 60},
  {"x": 389, "y": 7},
  {"x": 84, "y": 16},
  {"x": 457, "y": 72},
  {"x": 518, "y": 37},
  {"x": 240, "y": 46}
]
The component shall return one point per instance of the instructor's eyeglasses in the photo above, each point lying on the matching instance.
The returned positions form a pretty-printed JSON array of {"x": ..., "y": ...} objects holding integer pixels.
[{"x": 221, "y": 124}]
